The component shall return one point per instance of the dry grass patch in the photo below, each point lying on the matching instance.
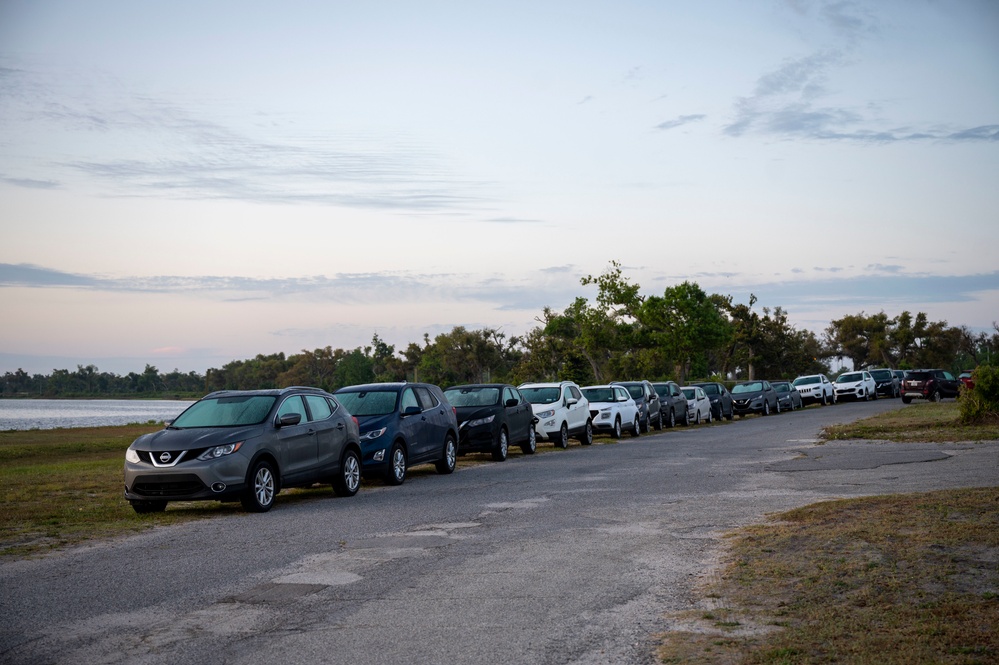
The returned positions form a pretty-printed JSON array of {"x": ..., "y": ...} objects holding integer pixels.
[
  {"x": 895, "y": 579},
  {"x": 922, "y": 422}
]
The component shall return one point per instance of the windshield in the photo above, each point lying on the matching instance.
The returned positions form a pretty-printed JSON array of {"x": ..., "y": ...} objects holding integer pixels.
[
  {"x": 472, "y": 396},
  {"x": 540, "y": 395},
  {"x": 599, "y": 394},
  {"x": 851, "y": 377},
  {"x": 636, "y": 391},
  {"x": 711, "y": 389},
  {"x": 882, "y": 374},
  {"x": 231, "y": 411},
  {"x": 689, "y": 393},
  {"x": 369, "y": 402},
  {"x": 806, "y": 380},
  {"x": 747, "y": 387},
  {"x": 782, "y": 387}
]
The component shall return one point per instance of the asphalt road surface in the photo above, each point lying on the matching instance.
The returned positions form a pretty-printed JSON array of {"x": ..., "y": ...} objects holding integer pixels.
[{"x": 565, "y": 557}]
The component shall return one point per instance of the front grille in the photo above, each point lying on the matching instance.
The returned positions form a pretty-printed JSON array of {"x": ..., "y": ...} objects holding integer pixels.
[
  {"x": 153, "y": 457},
  {"x": 178, "y": 485}
]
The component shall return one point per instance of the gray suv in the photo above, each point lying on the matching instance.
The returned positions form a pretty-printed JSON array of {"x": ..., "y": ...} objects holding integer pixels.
[{"x": 245, "y": 445}]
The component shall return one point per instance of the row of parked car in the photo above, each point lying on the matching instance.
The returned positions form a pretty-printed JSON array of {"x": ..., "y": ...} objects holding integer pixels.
[{"x": 248, "y": 445}]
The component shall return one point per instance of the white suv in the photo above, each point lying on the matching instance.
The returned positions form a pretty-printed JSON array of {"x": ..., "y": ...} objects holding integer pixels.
[
  {"x": 562, "y": 411},
  {"x": 612, "y": 409},
  {"x": 815, "y": 388}
]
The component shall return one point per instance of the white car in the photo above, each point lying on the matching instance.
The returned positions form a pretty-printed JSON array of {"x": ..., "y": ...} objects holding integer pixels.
[
  {"x": 856, "y": 385},
  {"x": 562, "y": 411},
  {"x": 815, "y": 388},
  {"x": 612, "y": 409},
  {"x": 698, "y": 404}
]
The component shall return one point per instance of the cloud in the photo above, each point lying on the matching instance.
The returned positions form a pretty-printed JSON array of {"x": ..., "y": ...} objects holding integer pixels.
[
  {"x": 680, "y": 121},
  {"x": 30, "y": 183},
  {"x": 513, "y": 220}
]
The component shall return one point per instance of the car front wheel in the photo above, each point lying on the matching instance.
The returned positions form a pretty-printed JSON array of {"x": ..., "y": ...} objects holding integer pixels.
[
  {"x": 502, "y": 448},
  {"x": 617, "y": 427},
  {"x": 396, "y": 474},
  {"x": 348, "y": 481},
  {"x": 259, "y": 496},
  {"x": 447, "y": 463}
]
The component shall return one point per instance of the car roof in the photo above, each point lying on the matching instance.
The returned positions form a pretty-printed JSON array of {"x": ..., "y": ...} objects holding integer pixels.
[{"x": 269, "y": 391}]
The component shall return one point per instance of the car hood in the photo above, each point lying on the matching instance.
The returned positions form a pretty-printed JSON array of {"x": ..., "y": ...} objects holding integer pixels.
[
  {"x": 472, "y": 412},
  {"x": 750, "y": 395},
  {"x": 197, "y": 437},
  {"x": 367, "y": 423},
  {"x": 849, "y": 384}
]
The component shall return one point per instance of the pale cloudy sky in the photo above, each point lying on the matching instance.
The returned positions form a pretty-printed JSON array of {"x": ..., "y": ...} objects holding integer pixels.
[{"x": 188, "y": 183}]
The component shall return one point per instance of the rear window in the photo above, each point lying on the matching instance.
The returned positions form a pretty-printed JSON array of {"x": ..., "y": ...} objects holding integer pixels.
[{"x": 919, "y": 376}]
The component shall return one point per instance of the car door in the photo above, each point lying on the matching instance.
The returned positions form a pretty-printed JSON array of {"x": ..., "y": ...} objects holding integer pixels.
[
  {"x": 412, "y": 425},
  {"x": 331, "y": 432},
  {"x": 518, "y": 415},
  {"x": 948, "y": 384},
  {"x": 435, "y": 423},
  {"x": 578, "y": 411},
  {"x": 298, "y": 445}
]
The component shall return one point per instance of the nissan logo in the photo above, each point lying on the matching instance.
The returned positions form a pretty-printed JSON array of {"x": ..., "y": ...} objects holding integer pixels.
[{"x": 165, "y": 457}]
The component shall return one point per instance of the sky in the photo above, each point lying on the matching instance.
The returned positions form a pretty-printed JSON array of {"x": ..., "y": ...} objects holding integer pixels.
[{"x": 183, "y": 184}]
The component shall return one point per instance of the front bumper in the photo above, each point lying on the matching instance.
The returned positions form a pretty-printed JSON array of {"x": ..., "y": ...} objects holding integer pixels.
[{"x": 218, "y": 480}]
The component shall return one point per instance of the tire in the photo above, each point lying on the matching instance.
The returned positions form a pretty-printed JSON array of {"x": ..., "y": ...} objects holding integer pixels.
[
  {"x": 935, "y": 396},
  {"x": 875, "y": 396},
  {"x": 766, "y": 408},
  {"x": 396, "y": 474},
  {"x": 731, "y": 415},
  {"x": 563, "y": 437},
  {"x": 147, "y": 507},
  {"x": 586, "y": 438},
  {"x": 503, "y": 448},
  {"x": 447, "y": 463},
  {"x": 261, "y": 490},
  {"x": 778, "y": 406},
  {"x": 617, "y": 428},
  {"x": 348, "y": 480},
  {"x": 824, "y": 402},
  {"x": 644, "y": 426},
  {"x": 636, "y": 427},
  {"x": 531, "y": 446},
  {"x": 672, "y": 419},
  {"x": 711, "y": 416},
  {"x": 658, "y": 423}
]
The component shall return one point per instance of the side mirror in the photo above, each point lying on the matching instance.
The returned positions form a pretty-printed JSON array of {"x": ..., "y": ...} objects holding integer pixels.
[
  {"x": 289, "y": 419},
  {"x": 570, "y": 401},
  {"x": 411, "y": 411},
  {"x": 512, "y": 402}
]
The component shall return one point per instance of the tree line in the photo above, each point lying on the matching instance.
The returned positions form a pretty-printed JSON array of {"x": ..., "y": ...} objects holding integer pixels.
[{"x": 682, "y": 334}]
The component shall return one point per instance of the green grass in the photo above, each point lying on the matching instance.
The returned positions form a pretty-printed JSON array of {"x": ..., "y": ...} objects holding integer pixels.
[{"x": 920, "y": 422}]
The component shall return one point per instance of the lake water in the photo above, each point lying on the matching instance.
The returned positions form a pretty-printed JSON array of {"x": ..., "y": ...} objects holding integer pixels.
[{"x": 21, "y": 414}]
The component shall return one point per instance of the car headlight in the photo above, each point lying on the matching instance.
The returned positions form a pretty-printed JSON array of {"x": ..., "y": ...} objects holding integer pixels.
[
  {"x": 373, "y": 434},
  {"x": 547, "y": 414},
  {"x": 219, "y": 451},
  {"x": 480, "y": 421},
  {"x": 131, "y": 456}
]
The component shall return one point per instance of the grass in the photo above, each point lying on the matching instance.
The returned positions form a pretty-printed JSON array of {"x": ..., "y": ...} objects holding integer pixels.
[
  {"x": 921, "y": 422},
  {"x": 901, "y": 579}
]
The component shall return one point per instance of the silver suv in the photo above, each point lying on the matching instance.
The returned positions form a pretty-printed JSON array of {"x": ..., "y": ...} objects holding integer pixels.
[
  {"x": 245, "y": 445},
  {"x": 562, "y": 411}
]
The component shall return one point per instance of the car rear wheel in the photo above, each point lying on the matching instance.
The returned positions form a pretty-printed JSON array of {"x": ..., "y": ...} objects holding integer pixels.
[
  {"x": 531, "y": 446},
  {"x": 672, "y": 419},
  {"x": 636, "y": 427},
  {"x": 586, "y": 438},
  {"x": 824, "y": 402},
  {"x": 935, "y": 396},
  {"x": 766, "y": 408},
  {"x": 146, "y": 507},
  {"x": 711, "y": 416},
  {"x": 447, "y": 463},
  {"x": 396, "y": 474},
  {"x": 658, "y": 422},
  {"x": 348, "y": 481},
  {"x": 502, "y": 448},
  {"x": 259, "y": 496}
]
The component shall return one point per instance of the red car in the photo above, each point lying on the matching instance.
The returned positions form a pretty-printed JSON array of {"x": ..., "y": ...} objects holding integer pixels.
[{"x": 967, "y": 378}]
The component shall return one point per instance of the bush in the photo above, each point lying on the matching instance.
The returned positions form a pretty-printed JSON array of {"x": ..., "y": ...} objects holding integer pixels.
[{"x": 981, "y": 403}]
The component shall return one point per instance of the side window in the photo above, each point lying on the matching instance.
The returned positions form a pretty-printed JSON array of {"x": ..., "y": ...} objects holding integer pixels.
[
  {"x": 319, "y": 407},
  {"x": 508, "y": 395},
  {"x": 293, "y": 404},
  {"x": 427, "y": 399},
  {"x": 622, "y": 394},
  {"x": 574, "y": 392},
  {"x": 408, "y": 399},
  {"x": 948, "y": 376}
]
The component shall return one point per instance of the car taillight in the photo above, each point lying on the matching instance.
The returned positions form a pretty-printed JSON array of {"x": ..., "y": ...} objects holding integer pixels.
[{"x": 354, "y": 418}]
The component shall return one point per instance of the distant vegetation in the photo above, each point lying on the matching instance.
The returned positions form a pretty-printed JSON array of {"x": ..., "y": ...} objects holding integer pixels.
[{"x": 681, "y": 334}]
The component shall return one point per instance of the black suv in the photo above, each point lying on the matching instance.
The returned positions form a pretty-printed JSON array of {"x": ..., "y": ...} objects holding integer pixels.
[
  {"x": 647, "y": 399},
  {"x": 886, "y": 383},
  {"x": 721, "y": 399},
  {"x": 672, "y": 402},
  {"x": 931, "y": 384},
  {"x": 245, "y": 445}
]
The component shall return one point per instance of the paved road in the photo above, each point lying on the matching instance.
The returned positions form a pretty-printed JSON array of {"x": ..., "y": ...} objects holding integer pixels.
[{"x": 567, "y": 557}]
